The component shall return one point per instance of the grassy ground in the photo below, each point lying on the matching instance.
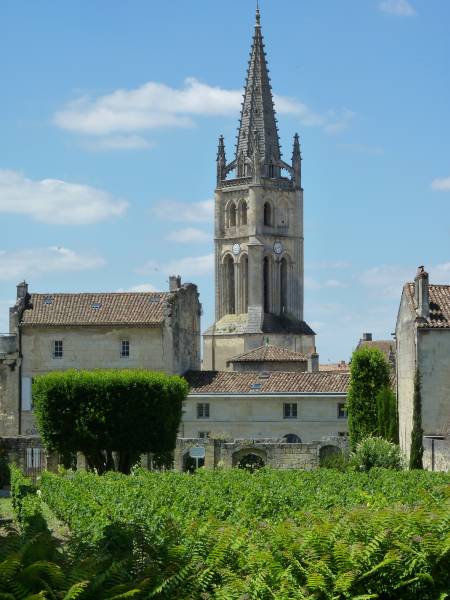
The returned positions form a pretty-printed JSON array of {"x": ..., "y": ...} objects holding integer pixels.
[
  {"x": 6, "y": 513},
  {"x": 59, "y": 530}
]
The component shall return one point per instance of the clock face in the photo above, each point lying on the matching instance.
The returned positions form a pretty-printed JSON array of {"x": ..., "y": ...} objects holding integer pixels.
[
  {"x": 278, "y": 247},
  {"x": 236, "y": 249}
]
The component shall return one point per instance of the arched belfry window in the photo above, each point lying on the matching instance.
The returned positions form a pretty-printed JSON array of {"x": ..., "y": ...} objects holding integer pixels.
[
  {"x": 244, "y": 208},
  {"x": 267, "y": 214},
  {"x": 266, "y": 273},
  {"x": 244, "y": 283},
  {"x": 233, "y": 215},
  {"x": 283, "y": 286},
  {"x": 229, "y": 287}
]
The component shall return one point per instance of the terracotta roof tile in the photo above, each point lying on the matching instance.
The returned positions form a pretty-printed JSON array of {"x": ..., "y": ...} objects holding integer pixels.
[
  {"x": 114, "y": 309},
  {"x": 232, "y": 382},
  {"x": 342, "y": 367},
  {"x": 269, "y": 353},
  {"x": 387, "y": 347},
  {"x": 439, "y": 305}
]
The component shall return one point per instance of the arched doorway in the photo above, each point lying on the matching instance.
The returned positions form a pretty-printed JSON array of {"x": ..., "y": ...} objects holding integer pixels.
[
  {"x": 292, "y": 438},
  {"x": 229, "y": 287},
  {"x": 328, "y": 453},
  {"x": 251, "y": 462}
]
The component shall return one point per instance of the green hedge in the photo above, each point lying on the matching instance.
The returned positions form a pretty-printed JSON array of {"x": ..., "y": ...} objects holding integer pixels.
[{"x": 104, "y": 412}]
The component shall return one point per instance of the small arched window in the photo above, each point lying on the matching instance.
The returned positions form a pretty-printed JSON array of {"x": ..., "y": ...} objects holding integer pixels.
[
  {"x": 292, "y": 438},
  {"x": 267, "y": 214},
  {"x": 244, "y": 213},
  {"x": 233, "y": 215}
]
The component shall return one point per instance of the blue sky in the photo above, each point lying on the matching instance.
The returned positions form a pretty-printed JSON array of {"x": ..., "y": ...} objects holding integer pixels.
[{"x": 110, "y": 113}]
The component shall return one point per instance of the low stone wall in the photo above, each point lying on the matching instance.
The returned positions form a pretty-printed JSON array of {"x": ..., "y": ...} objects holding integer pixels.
[
  {"x": 28, "y": 453},
  {"x": 228, "y": 454}
]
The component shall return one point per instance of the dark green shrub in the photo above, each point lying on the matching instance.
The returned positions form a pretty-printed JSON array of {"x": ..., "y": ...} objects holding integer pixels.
[
  {"x": 387, "y": 415},
  {"x": 376, "y": 452},
  {"x": 370, "y": 373},
  {"x": 104, "y": 412},
  {"x": 416, "y": 452}
]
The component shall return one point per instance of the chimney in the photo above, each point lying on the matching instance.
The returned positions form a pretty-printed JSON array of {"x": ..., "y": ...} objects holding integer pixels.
[
  {"x": 421, "y": 283},
  {"x": 367, "y": 337},
  {"x": 313, "y": 362},
  {"x": 174, "y": 283},
  {"x": 22, "y": 290}
]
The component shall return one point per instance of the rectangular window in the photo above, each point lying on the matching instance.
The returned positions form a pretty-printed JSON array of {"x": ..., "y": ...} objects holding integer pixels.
[
  {"x": 57, "y": 349},
  {"x": 125, "y": 349},
  {"x": 26, "y": 393},
  {"x": 202, "y": 411},
  {"x": 203, "y": 435},
  {"x": 33, "y": 457},
  {"x": 341, "y": 410},
  {"x": 290, "y": 410}
]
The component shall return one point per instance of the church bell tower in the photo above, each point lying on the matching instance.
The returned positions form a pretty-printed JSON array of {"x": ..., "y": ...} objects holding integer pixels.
[{"x": 258, "y": 233}]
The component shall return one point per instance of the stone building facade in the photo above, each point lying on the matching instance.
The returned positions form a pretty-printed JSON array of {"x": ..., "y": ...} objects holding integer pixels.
[
  {"x": 131, "y": 330},
  {"x": 259, "y": 279},
  {"x": 423, "y": 343},
  {"x": 295, "y": 406}
]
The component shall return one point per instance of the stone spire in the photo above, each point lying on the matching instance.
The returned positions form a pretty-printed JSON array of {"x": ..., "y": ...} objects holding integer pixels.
[
  {"x": 221, "y": 160},
  {"x": 297, "y": 162},
  {"x": 258, "y": 120}
]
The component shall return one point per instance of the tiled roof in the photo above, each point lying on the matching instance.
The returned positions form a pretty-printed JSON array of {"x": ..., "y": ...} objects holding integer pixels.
[
  {"x": 387, "y": 347},
  {"x": 439, "y": 305},
  {"x": 269, "y": 353},
  {"x": 342, "y": 367},
  {"x": 128, "y": 308},
  {"x": 231, "y": 382}
]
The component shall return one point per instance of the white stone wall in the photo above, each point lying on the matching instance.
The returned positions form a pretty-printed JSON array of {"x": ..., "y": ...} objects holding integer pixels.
[
  {"x": 259, "y": 417},
  {"x": 406, "y": 365},
  {"x": 434, "y": 366}
]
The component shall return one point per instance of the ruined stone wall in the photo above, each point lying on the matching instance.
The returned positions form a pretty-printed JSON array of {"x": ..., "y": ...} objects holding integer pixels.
[
  {"x": 182, "y": 330},
  {"x": 9, "y": 385}
]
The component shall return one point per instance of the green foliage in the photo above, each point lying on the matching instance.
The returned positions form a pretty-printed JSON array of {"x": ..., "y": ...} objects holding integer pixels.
[
  {"x": 102, "y": 412},
  {"x": 416, "y": 452},
  {"x": 370, "y": 373},
  {"x": 271, "y": 534},
  {"x": 26, "y": 503},
  {"x": 376, "y": 452},
  {"x": 387, "y": 415},
  {"x": 336, "y": 460}
]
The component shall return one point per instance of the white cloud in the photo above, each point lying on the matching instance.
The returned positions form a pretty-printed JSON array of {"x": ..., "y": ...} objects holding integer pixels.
[
  {"x": 363, "y": 149},
  {"x": 388, "y": 279},
  {"x": 325, "y": 264},
  {"x": 196, "y": 212},
  {"x": 141, "y": 287},
  {"x": 313, "y": 284},
  {"x": 56, "y": 202},
  {"x": 158, "y": 106},
  {"x": 441, "y": 184},
  {"x": 189, "y": 235},
  {"x": 119, "y": 142},
  {"x": 189, "y": 266},
  {"x": 38, "y": 261},
  {"x": 402, "y": 8}
]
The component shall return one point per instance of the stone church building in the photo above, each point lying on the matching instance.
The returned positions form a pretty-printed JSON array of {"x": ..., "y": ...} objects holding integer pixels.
[{"x": 259, "y": 276}]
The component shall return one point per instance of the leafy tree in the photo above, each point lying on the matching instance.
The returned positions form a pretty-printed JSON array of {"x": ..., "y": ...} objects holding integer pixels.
[
  {"x": 387, "y": 415},
  {"x": 112, "y": 417},
  {"x": 416, "y": 452},
  {"x": 369, "y": 374}
]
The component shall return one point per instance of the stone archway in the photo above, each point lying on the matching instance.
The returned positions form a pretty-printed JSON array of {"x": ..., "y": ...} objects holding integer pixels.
[
  {"x": 251, "y": 459},
  {"x": 328, "y": 452}
]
